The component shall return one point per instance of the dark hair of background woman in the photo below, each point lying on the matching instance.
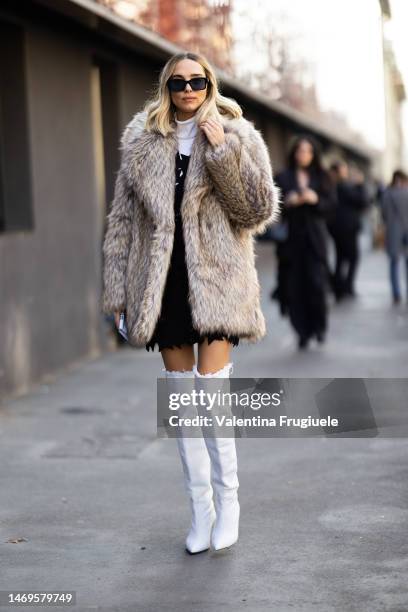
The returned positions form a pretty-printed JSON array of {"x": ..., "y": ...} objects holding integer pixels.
[
  {"x": 398, "y": 175},
  {"x": 316, "y": 163}
]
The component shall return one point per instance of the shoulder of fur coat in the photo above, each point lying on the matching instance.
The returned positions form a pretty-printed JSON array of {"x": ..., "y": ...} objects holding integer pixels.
[{"x": 133, "y": 129}]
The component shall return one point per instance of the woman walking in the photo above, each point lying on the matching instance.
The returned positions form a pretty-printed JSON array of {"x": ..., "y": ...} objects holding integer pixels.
[
  {"x": 394, "y": 209},
  {"x": 194, "y": 186},
  {"x": 345, "y": 226},
  {"x": 309, "y": 196}
]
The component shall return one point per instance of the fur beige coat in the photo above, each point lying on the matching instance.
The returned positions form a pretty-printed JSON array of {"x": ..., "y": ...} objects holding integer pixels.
[{"x": 229, "y": 197}]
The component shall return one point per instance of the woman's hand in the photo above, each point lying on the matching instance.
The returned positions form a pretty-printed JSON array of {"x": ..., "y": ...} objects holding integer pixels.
[
  {"x": 309, "y": 196},
  {"x": 214, "y": 131},
  {"x": 292, "y": 199}
]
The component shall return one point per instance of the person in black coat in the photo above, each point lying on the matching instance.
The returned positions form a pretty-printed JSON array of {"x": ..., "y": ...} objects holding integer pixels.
[
  {"x": 394, "y": 210},
  {"x": 345, "y": 225},
  {"x": 308, "y": 197}
]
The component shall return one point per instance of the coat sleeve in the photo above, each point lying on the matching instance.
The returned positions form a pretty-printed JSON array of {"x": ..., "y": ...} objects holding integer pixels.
[
  {"x": 327, "y": 201},
  {"x": 241, "y": 172},
  {"x": 356, "y": 196},
  {"x": 385, "y": 205},
  {"x": 116, "y": 244}
]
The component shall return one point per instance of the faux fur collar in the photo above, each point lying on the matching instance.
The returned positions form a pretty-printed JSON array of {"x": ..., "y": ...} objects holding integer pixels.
[
  {"x": 149, "y": 163},
  {"x": 135, "y": 128}
]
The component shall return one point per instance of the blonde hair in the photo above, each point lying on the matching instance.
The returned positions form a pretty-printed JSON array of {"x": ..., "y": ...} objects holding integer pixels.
[{"x": 160, "y": 108}]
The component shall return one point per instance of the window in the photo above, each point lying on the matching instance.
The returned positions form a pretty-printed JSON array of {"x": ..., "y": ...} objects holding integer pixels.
[
  {"x": 15, "y": 177},
  {"x": 107, "y": 83}
]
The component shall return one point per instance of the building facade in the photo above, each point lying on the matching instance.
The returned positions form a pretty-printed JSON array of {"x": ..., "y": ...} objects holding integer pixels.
[{"x": 73, "y": 74}]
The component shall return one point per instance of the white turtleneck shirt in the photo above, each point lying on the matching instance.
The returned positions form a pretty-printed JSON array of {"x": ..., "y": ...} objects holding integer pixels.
[{"x": 186, "y": 133}]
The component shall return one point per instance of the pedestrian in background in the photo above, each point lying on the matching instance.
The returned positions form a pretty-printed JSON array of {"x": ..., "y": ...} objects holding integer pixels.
[
  {"x": 279, "y": 234},
  {"x": 308, "y": 197},
  {"x": 344, "y": 226},
  {"x": 394, "y": 208}
]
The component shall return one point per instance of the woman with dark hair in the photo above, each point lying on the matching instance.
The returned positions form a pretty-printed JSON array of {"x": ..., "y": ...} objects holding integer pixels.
[{"x": 308, "y": 198}]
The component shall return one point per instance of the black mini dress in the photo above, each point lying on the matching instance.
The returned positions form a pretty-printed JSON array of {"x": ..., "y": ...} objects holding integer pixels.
[{"x": 175, "y": 326}]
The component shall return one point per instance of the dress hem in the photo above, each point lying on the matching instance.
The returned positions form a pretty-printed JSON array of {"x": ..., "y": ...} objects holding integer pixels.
[{"x": 194, "y": 339}]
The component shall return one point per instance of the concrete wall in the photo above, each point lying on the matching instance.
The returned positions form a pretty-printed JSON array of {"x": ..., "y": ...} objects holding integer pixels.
[{"x": 51, "y": 276}]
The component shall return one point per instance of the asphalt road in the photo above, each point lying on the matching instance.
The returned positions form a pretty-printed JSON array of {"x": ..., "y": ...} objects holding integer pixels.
[{"x": 99, "y": 499}]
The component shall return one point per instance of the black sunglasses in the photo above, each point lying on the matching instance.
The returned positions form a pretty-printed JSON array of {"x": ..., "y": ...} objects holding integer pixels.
[{"x": 196, "y": 84}]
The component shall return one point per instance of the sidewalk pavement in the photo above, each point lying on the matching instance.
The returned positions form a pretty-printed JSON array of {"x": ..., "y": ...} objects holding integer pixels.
[{"x": 100, "y": 503}]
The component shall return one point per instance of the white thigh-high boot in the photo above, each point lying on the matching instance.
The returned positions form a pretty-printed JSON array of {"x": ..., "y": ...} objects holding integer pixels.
[
  {"x": 224, "y": 466},
  {"x": 196, "y": 467}
]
